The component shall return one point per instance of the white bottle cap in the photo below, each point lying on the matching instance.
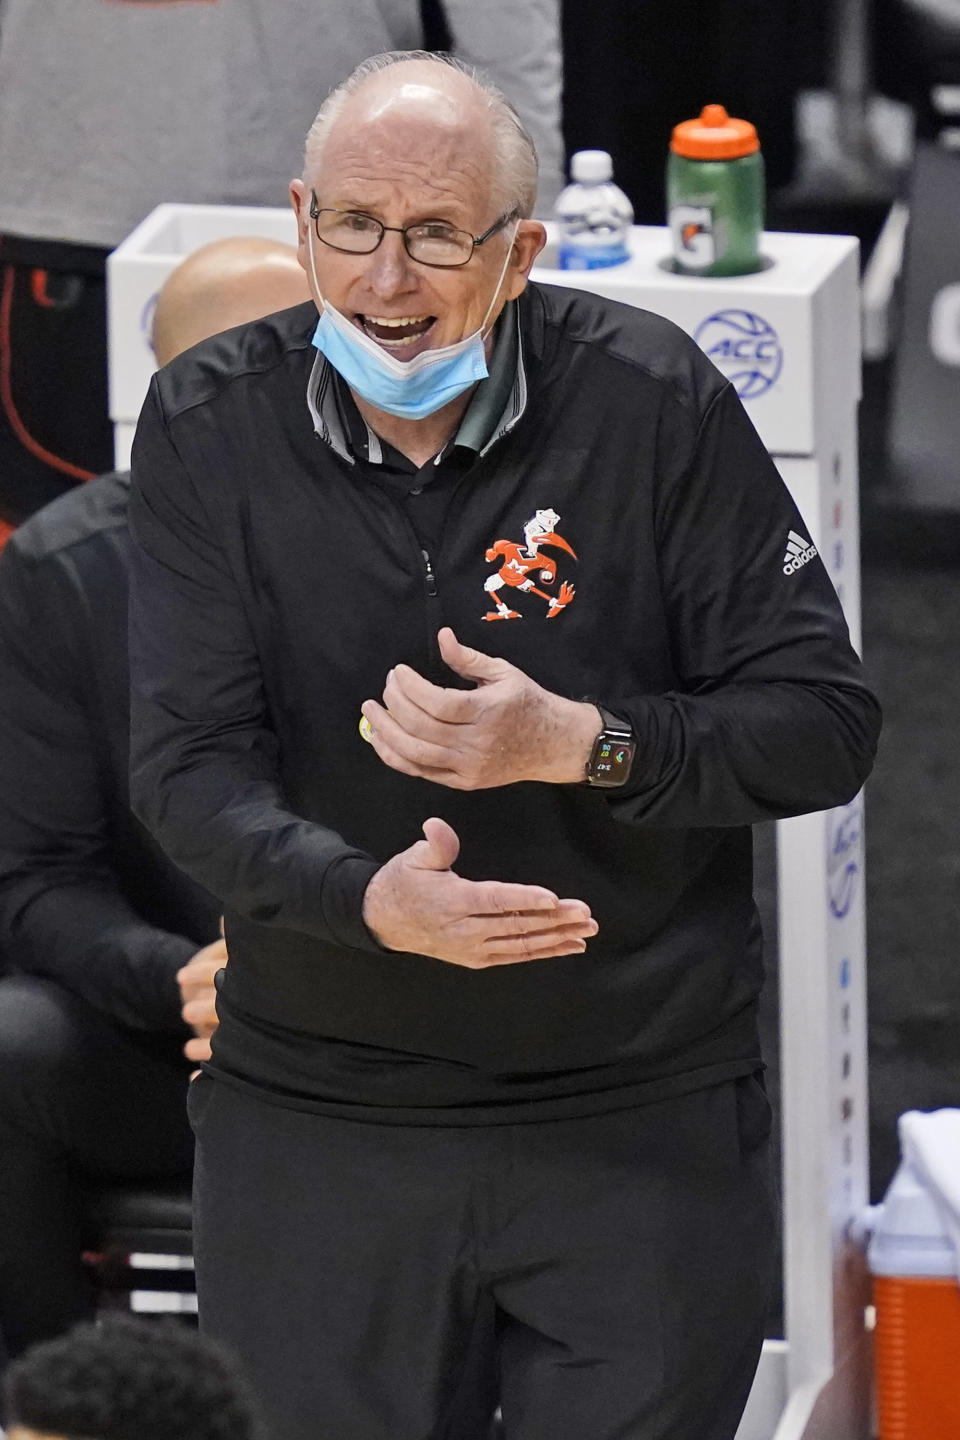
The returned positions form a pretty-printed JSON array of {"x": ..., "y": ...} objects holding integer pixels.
[
  {"x": 591, "y": 166},
  {"x": 909, "y": 1235}
]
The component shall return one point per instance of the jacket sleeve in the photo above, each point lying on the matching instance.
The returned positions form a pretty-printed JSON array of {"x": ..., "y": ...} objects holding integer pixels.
[
  {"x": 203, "y": 755},
  {"x": 63, "y": 915},
  {"x": 772, "y": 716},
  {"x": 519, "y": 46}
]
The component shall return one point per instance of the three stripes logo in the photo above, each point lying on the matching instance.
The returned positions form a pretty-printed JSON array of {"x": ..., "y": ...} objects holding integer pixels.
[{"x": 798, "y": 552}]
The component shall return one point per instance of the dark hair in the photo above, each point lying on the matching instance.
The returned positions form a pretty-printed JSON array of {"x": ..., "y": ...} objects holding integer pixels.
[{"x": 128, "y": 1379}]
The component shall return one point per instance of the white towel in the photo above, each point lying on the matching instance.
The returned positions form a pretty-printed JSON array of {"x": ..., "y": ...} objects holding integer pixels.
[{"x": 930, "y": 1145}]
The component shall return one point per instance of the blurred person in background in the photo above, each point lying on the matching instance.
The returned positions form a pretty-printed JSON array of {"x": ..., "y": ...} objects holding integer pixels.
[
  {"x": 110, "y": 950},
  {"x": 128, "y": 1379},
  {"x": 110, "y": 107}
]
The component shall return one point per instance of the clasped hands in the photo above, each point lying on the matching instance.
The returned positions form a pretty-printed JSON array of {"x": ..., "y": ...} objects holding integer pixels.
[{"x": 506, "y": 729}]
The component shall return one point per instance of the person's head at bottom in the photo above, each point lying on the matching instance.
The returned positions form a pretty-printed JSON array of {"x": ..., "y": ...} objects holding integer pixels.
[{"x": 126, "y": 1379}]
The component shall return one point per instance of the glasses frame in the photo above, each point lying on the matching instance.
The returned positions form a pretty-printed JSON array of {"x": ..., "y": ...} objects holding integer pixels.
[{"x": 475, "y": 240}]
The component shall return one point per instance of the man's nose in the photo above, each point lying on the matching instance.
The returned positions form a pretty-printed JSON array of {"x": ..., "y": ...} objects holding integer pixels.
[{"x": 391, "y": 271}]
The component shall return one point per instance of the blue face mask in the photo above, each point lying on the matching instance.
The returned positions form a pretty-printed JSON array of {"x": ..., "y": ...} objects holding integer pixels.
[{"x": 411, "y": 389}]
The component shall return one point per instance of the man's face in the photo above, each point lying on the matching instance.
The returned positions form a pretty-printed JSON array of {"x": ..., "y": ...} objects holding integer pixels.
[{"x": 404, "y": 167}]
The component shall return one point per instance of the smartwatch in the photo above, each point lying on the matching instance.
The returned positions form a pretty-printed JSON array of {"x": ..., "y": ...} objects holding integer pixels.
[{"x": 611, "y": 758}]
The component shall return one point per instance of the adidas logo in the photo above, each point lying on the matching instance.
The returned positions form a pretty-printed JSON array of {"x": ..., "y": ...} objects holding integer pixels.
[{"x": 799, "y": 551}]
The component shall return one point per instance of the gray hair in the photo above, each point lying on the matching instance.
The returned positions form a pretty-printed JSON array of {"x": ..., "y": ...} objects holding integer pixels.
[{"x": 515, "y": 160}]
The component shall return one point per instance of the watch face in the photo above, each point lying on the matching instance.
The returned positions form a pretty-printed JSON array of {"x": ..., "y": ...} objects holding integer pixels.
[{"x": 612, "y": 759}]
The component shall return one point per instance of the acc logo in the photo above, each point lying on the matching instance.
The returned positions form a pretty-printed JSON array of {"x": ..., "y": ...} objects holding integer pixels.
[
  {"x": 745, "y": 347},
  {"x": 844, "y": 856}
]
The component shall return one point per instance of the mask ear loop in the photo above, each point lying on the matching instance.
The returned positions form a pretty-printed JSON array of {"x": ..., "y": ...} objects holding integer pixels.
[
  {"x": 313, "y": 268},
  {"x": 483, "y": 330}
]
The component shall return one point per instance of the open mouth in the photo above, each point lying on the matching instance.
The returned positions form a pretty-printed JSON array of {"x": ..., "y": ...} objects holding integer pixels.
[{"x": 396, "y": 333}]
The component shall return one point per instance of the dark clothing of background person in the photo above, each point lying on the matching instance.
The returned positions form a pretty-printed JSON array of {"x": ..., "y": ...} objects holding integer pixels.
[
  {"x": 54, "y": 426},
  {"x": 94, "y": 920}
]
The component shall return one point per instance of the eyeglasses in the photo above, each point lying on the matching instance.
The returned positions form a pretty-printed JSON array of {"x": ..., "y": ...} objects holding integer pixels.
[{"x": 430, "y": 243}]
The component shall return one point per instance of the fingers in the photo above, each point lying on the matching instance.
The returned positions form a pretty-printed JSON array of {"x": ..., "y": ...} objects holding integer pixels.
[
  {"x": 201, "y": 967},
  {"x": 426, "y": 701},
  {"x": 410, "y": 708},
  {"x": 197, "y": 1050},
  {"x": 444, "y": 706},
  {"x": 199, "y": 973},
  {"x": 409, "y": 750},
  {"x": 543, "y": 926},
  {"x": 572, "y": 915},
  {"x": 529, "y": 944},
  {"x": 532, "y": 947},
  {"x": 493, "y": 898},
  {"x": 201, "y": 1012},
  {"x": 472, "y": 664},
  {"x": 439, "y": 847},
  {"x": 559, "y": 927},
  {"x": 525, "y": 931}
]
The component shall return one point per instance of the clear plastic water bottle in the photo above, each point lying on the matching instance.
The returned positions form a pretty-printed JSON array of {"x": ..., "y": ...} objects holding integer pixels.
[{"x": 594, "y": 214}]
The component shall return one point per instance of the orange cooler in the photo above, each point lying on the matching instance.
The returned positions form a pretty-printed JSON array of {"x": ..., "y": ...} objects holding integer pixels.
[{"x": 917, "y": 1298}]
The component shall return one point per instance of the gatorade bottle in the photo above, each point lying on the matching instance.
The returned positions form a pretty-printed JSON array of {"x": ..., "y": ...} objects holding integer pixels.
[
  {"x": 595, "y": 216},
  {"x": 715, "y": 195},
  {"x": 916, "y": 1295}
]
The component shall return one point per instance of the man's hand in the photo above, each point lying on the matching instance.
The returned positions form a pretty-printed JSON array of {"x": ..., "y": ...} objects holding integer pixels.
[
  {"x": 416, "y": 903},
  {"x": 199, "y": 997},
  {"x": 508, "y": 728}
]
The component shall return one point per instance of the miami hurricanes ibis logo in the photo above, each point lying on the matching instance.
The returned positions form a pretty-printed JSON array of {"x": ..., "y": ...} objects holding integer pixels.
[{"x": 521, "y": 566}]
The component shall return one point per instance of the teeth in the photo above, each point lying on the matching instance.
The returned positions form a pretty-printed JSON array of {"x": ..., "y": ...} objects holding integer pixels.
[{"x": 407, "y": 320}]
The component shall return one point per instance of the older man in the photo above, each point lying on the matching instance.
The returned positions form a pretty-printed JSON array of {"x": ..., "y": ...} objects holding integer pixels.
[
  {"x": 111, "y": 949},
  {"x": 483, "y": 1105}
]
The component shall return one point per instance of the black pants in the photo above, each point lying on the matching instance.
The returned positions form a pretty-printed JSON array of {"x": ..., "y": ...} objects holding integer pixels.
[
  {"x": 80, "y": 1101},
  {"x": 55, "y": 429},
  {"x": 603, "y": 1278}
]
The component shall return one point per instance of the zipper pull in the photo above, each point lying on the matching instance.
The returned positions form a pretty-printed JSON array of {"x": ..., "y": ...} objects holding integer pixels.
[{"x": 430, "y": 577}]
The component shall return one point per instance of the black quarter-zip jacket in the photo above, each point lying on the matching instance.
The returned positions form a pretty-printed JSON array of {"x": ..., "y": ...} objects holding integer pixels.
[{"x": 272, "y": 588}]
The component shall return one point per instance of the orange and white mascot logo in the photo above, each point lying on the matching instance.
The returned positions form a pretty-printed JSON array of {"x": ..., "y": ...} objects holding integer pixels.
[{"x": 517, "y": 563}]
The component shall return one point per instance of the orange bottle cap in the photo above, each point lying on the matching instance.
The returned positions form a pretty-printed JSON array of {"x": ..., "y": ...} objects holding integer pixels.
[{"x": 714, "y": 136}]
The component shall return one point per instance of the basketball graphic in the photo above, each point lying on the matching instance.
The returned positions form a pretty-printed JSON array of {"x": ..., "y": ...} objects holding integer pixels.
[{"x": 744, "y": 347}]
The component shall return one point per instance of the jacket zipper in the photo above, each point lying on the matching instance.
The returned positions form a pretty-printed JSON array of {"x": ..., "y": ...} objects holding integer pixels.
[{"x": 436, "y": 671}]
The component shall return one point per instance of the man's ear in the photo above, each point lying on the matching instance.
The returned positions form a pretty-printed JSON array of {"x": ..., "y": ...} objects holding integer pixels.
[
  {"x": 529, "y": 240},
  {"x": 300, "y": 201}
]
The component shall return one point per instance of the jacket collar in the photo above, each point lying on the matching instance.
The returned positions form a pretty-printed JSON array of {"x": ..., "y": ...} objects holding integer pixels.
[{"x": 497, "y": 403}]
